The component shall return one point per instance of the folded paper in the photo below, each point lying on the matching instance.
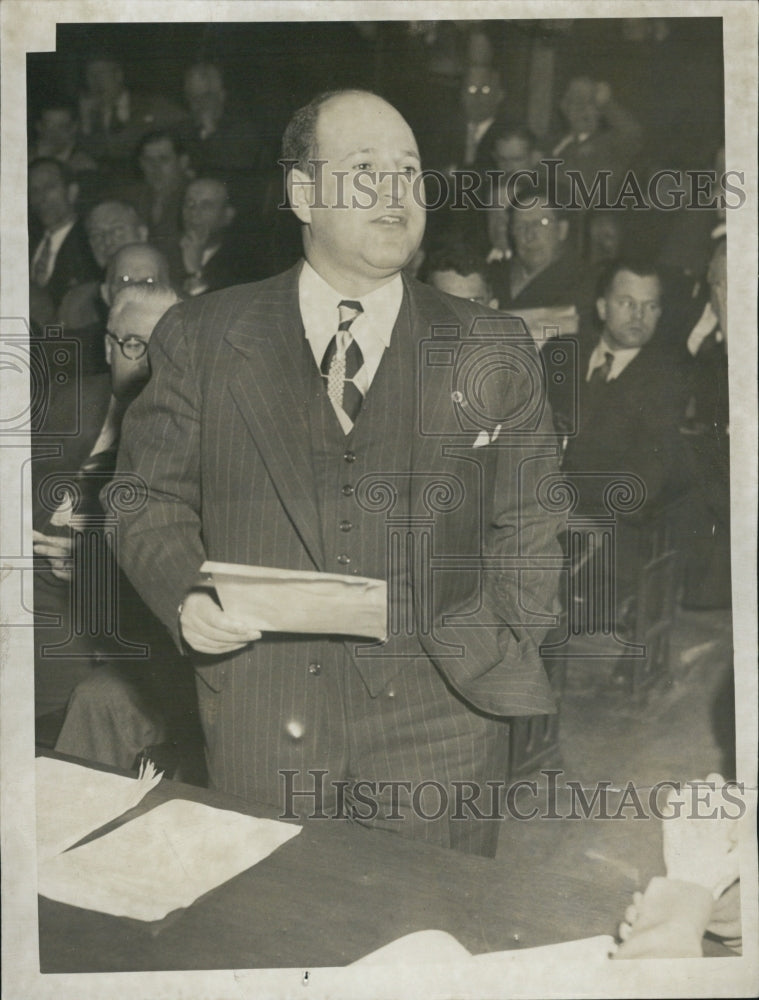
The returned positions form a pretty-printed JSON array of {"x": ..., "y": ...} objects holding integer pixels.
[{"x": 281, "y": 600}]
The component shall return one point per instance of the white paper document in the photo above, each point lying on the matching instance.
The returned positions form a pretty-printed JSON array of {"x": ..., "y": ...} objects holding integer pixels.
[
  {"x": 161, "y": 861},
  {"x": 73, "y": 801},
  {"x": 433, "y": 947},
  {"x": 283, "y": 600}
]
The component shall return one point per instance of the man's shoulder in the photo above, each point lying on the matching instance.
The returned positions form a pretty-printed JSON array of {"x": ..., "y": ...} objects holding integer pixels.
[{"x": 441, "y": 307}]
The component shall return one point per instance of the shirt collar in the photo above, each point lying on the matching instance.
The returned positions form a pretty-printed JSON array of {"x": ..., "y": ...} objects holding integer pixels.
[
  {"x": 319, "y": 302},
  {"x": 622, "y": 356}
]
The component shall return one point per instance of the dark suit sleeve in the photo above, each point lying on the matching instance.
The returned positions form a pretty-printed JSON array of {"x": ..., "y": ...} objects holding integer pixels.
[
  {"x": 500, "y": 670},
  {"x": 159, "y": 540}
]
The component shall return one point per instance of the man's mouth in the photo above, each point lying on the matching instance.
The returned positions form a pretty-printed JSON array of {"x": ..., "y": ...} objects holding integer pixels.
[{"x": 391, "y": 220}]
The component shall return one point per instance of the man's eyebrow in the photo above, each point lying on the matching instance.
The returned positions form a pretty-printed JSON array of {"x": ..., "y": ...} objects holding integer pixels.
[{"x": 372, "y": 149}]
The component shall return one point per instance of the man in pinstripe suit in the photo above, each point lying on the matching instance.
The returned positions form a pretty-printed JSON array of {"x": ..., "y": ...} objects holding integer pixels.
[{"x": 430, "y": 482}]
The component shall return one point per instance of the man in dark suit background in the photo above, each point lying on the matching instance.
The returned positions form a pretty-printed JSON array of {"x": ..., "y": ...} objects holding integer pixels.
[
  {"x": 622, "y": 411},
  {"x": 60, "y": 255},
  {"x": 258, "y": 447}
]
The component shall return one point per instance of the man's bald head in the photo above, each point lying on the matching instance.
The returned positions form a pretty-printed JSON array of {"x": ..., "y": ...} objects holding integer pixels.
[{"x": 135, "y": 264}]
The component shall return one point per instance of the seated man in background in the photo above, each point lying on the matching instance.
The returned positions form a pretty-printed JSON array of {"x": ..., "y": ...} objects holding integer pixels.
[
  {"x": 514, "y": 148},
  {"x": 65, "y": 588},
  {"x": 158, "y": 197},
  {"x": 57, "y": 135},
  {"x": 543, "y": 271},
  {"x": 206, "y": 256},
  {"x": 83, "y": 312},
  {"x": 114, "y": 118},
  {"x": 621, "y": 412},
  {"x": 459, "y": 270},
  {"x": 60, "y": 255}
]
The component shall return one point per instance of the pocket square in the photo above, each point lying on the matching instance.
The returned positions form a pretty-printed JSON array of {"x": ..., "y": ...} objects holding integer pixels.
[{"x": 484, "y": 438}]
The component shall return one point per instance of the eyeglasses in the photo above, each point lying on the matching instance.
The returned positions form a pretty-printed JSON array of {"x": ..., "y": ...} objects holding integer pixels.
[
  {"x": 474, "y": 89},
  {"x": 124, "y": 279},
  {"x": 133, "y": 348}
]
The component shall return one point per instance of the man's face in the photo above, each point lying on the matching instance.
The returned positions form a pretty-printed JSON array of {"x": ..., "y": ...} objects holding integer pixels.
[
  {"x": 481, "y": 94},
  {"x": 50, "y": 198},
  {"x": 538, "y": 235},
  {"x": 205, "y": 97},
  {"x": 105, "y": 79},
  {"x": 470, "y": 286},
  {"x": 580, "y": 108},
  {"x": 630, "y": 310},
  {"x": 361, "y": 238},
  {"x": 56, "y": 130},
  {"x": 206, "y": 209},
  {"x": 513, "y": 154},
  {"x": 134, "y": 265},
  {"x": 133, "y": 327},
  {"x": 604, "y": 237},
  {"x": 110, "y": 227},
  {"x": 161, "y": 167}
]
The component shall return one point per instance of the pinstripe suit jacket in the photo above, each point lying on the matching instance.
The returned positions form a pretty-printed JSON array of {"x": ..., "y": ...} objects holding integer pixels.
[{"x": 221, "y": 437}]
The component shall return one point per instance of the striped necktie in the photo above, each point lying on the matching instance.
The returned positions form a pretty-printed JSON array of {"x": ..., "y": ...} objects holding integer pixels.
[{"x": 342, "y": 361}]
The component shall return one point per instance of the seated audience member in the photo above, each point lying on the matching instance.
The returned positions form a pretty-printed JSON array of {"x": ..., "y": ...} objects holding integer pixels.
[
  {"x": 602, "y": 135},
  {"x": 60, "y": 255},
  {"x": 706, "y": 436},
  {"x": 207, "y": 255},
  {"x": 83, "y": 465},
  {"x": 57, "y": 135},
  {"x": 513, "y": 149},
  {"x": 219, "y": 140},
  {"x": 165, "y": 168},
  {"x": 543, "y": 271},
  {"x": 115, "y": 118},
  {"x": 621, "y": 412},
  {"x": 458, "y": 270},
  {"x": 701, "y": 891},
  {"x": 83, "y": 311}
]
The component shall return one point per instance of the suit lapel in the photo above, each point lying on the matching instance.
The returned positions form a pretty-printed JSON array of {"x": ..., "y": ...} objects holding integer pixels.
[{"x": 271, "y": 388}]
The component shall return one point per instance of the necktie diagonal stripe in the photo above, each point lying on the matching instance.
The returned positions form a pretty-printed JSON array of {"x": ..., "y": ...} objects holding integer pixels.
[{"x": 342, "y": 361}]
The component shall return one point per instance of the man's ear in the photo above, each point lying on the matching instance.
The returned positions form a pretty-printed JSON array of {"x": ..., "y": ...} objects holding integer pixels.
[
  {"x": 105, "y": 296},
  {"x": 493, "y": 303},
  {"x": 300, "y": 189},
  {"x": 563, "y": 229},
  {"x": 601, "y": 309},
  {"x": 143, "y": 234},
  {"x": 73, "y": 193},
  {"x": 229, "y": 213},
  {"x": 108, "y": 350}
]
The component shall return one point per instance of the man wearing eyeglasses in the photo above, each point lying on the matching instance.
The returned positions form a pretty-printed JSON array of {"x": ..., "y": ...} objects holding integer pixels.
[
  {"x": 86, "y": 460},
  {"x": 544, "y": 271}
]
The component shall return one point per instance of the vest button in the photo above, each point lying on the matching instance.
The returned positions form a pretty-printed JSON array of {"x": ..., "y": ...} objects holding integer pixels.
[
  {"x": 349, "y": 456},
  {"x": 343, "y": 559},
  {"x": 345, "y": 525},
  {"x": 347, "y": 490},
  {"x": 315, "y": 669}
]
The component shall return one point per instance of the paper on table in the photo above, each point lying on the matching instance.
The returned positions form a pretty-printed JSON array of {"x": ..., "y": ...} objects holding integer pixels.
[
  {"x": 433, "y": 947},
  {"x": 73, "y": 801},
  {"x": 282, "y": 600},
  {"x": 161, "y": 861}
]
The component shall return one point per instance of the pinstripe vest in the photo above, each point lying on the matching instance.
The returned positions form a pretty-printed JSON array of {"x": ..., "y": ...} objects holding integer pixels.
[{"x": 356, "y": 474}]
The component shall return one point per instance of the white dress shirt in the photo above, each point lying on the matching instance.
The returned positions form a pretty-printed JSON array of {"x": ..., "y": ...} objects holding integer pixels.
[
  {"x": 622, "y": 358},
  {"x": 371, "y": 329}
]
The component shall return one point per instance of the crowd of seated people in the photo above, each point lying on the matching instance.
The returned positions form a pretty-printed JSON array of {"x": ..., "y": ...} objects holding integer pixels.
[{"x": 131, "y": 189}]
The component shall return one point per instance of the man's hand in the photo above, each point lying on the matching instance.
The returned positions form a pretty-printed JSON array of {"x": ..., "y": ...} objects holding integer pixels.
[
  {"x": 208, "y": 629},
  {"x": 57, "y": 549}
]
